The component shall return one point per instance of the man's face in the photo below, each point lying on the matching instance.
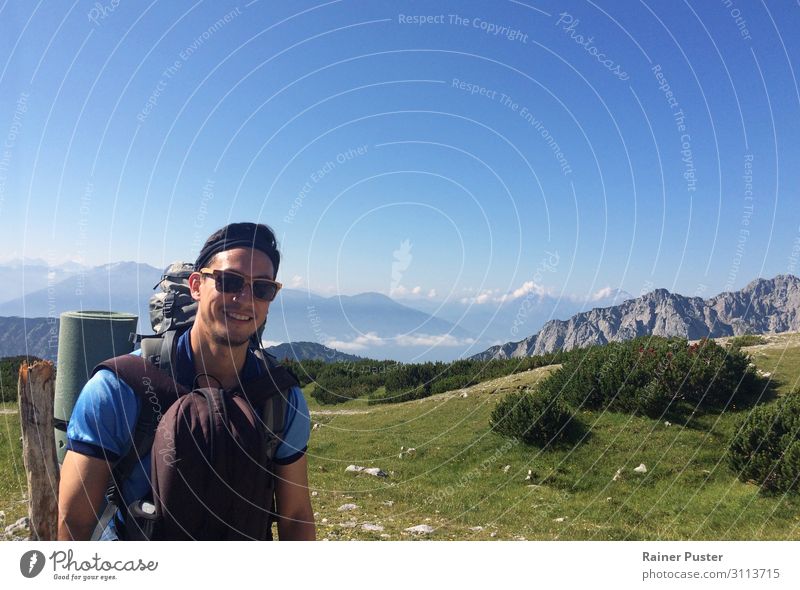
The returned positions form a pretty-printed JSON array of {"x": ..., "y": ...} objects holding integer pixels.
[{"x": 231, "y": 318}]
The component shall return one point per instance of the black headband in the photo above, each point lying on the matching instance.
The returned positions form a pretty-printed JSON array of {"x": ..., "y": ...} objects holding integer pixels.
[{"x": 239, "y": 235}]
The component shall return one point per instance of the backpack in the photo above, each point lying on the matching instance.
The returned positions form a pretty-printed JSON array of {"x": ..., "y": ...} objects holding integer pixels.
[{"x": 212, "y": 449}]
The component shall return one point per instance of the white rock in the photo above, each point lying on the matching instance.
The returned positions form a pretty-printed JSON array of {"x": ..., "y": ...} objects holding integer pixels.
[
  {"x": 608, "y": 499},
  {"x": 368, "y": 526},
  {"x": 315, "y": 493},
  {"x": 530, "y": 473},
  {"x": 347, "y": 507},
  {"x": 389, "y": 503},
  {"x": 316, "y": 425},
  {"x": 641, "y": 469},
  {"x": 368, "y": 470},
  {"x": 506, "y": 468},
  {"x": 561, "y": 519},
  {"x": 21, "y": 525},
  {"x": 476, "y": 528},
  {"x": 667, "y": 423},
  {"x": 324, "y": 520},
  {"x": 420, "y": 529},
  {"x": 617, "y": 475},
  {"x": 492, "y": 534},
  {"x": 464, "y": 395},
  {"x": 385, "y": 536}
]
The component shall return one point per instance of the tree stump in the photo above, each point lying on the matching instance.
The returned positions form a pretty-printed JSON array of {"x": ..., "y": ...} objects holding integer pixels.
[{"x": 36, "y": 389}]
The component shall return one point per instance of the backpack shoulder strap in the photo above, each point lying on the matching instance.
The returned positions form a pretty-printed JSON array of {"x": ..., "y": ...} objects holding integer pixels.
[
  {"x": 156, "y": 392},
  {"x": 160, "y": 350},
  {"x": 271, "y": 392}
]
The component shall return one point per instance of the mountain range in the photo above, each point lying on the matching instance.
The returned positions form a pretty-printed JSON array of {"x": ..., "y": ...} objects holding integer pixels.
[
  {"x": 376, "y": 326},
  {"x": 763, "y": 306},
  {"x": 367, "y": 324}
]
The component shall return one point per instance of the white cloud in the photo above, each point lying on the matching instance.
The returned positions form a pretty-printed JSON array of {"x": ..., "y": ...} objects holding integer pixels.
[
  {"x": 607, "y": 293},
  {"x": 372, "y": 340},
  {"x": 432, "y": 294},
  {"x": 431, "y": 340},
  {"x": 527, "y": 287},
  {"x": 402, "y": 291},
  {"x": 398, "y": 291},
  {"x": 484, "y": 297},
  {"x": 361, "y": 342},
  {"x": 493, "y": 296},
  {"x": 602, "y": 293},
  {"x": 296, "y": 281}
]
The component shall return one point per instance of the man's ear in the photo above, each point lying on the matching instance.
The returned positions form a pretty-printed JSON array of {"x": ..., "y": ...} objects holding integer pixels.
[{"x": 194, "y": 285}]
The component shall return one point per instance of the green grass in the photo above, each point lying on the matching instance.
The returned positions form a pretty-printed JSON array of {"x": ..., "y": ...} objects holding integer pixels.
[
  {"x": 455, "y": 480},
  {"x": 781, "y": 358},
  {"x": 13, "y": 482}
]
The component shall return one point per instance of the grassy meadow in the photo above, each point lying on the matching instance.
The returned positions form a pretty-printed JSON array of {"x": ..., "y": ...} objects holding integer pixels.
[{"x": 468, "y": 483}]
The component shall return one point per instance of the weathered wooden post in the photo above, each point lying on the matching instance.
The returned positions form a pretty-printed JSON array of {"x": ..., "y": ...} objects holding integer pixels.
[{"x": 36, "y": 389}]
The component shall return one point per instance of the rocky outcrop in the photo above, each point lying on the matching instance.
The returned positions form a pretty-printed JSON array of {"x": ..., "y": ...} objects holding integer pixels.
[{"x": 763, "y": 306}]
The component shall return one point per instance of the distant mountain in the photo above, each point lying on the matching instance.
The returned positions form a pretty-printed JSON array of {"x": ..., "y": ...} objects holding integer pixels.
[
  {"x": 120, "y": 286},
  {"x": 18, "y": 277},
  {"x": 763, "y": 306},
  {"x": 29, "y": 336},
  {"x": 304, "y": 351},
  {"x": 368, "y": 324}
]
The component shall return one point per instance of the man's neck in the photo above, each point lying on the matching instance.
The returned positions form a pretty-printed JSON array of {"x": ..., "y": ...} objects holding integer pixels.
[{"x": 221, "y": 361}]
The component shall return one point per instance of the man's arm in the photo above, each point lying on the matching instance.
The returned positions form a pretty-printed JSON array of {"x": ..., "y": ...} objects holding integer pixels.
[
  {"x": 80, "y": 495},
  {"x": 293, "y": 504}
]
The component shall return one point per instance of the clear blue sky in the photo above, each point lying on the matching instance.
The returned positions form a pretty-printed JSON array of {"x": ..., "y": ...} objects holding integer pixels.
[{"x": 490, "y": 134}]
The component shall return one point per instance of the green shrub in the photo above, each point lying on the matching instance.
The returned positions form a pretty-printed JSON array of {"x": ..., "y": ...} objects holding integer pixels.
[
  {"x": 746, "y": 340},
  {"x": 9, "y": 375},
  {"x": 535, "y": 419},
  {"x": 652, "y": 375},
  {"x": 337, "y": 384},
  {"x": 766, "y": 447}
]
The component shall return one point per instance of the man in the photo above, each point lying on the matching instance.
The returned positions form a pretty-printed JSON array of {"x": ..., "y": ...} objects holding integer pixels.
[{"x": 213, "y": 353}]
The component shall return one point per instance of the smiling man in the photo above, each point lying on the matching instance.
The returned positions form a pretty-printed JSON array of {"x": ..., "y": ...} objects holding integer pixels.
[{"x": 233, "y": 285}]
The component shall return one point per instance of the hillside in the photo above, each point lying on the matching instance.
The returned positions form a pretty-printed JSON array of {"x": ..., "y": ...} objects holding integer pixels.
[
  {"x": 309, "y": 351},
  {"x": 468, "y": 483}
]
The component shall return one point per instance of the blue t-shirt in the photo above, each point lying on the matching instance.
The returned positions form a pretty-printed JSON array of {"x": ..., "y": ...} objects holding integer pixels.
[{"x": 105, "y": 414}]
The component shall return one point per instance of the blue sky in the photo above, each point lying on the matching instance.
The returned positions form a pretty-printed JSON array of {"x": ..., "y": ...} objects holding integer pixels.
[{"x": 492, "y": 138}]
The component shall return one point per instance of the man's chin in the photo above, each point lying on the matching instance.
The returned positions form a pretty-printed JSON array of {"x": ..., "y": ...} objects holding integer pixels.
[{"x": 231, "y": 340}]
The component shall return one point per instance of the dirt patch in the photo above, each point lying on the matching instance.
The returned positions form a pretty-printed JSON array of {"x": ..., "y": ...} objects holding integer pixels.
[{"x": 499, "y": 385}]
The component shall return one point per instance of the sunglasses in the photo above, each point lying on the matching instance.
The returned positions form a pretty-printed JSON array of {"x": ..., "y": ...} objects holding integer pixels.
[{"x": 231, "y": 282}]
